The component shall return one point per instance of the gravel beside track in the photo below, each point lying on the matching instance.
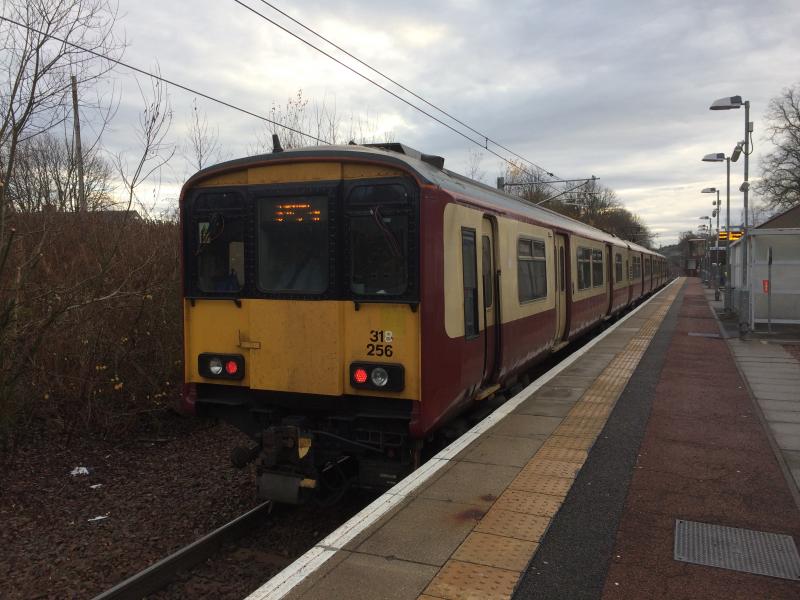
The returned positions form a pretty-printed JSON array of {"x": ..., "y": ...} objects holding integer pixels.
[{"x": 157, "y": 495}]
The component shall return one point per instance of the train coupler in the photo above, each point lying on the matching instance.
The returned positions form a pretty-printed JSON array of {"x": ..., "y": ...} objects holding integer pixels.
[
  {"x": 286, "y": 465},
  {"x": 285, "y": 488}
]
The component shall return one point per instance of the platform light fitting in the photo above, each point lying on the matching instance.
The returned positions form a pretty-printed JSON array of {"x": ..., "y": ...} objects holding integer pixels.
[
  {"x": 737, "y": 152},
  {"x": 727, "y": 103},
  {"x": 714, "y": 157}
]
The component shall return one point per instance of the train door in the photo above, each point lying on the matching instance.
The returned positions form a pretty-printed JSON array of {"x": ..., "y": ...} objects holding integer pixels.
[
  {"x": 490, "y": 300},
  {"x": 561, "y": 287},
  {"x": 609, "y": 278},
  {"x": 628, "y": 282},
  {"x": 641, "y": 274}
]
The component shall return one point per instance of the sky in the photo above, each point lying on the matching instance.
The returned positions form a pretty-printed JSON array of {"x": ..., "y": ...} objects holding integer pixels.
[{"x": 615, "y": 89}]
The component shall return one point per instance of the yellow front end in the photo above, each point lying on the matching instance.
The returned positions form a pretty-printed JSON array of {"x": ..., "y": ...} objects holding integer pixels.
[
  {"x": 301, "y": 322},
  {"x": 303, "y": 347}
]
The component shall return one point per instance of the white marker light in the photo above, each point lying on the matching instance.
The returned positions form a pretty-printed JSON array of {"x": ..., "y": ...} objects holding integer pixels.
[
  {"x": 215, "y": 366},
  {"x": 379, "y": 377}
]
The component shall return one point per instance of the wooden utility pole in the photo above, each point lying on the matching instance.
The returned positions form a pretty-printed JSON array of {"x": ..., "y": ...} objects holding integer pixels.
[{"x": 78, "y": 151}]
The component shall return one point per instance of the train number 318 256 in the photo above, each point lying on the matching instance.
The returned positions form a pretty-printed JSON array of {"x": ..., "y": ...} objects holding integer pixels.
[{"x": 381, "y": 343}]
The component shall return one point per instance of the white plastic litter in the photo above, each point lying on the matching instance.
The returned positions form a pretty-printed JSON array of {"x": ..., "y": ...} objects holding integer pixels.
[
  {"x": 99, "y": 518},
  {"x": 96, "y": 485},
  {"x": 79, "y": 471}
]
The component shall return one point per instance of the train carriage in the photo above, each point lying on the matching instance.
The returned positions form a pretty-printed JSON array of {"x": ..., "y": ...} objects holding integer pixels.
[{"x": 343, "y": 303}]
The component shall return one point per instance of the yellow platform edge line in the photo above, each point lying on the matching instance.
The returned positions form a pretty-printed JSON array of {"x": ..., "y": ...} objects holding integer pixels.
[{"x": 450, "y": 583}]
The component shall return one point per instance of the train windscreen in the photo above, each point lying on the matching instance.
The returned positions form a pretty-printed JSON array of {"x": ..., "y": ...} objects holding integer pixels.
[
  {"x": 293, "y": 245},
  {"x": 378, "y": 218}
]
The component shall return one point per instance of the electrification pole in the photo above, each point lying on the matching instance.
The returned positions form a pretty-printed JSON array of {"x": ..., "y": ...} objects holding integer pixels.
[{"x": 78, "y": 151}]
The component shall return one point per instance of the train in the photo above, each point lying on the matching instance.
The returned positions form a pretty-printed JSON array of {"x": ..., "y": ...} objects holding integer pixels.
[{"x": 343, "y": 304}]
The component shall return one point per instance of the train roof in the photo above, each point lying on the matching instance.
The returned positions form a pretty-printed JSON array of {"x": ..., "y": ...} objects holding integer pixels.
[{"x": 429, "y": 169}]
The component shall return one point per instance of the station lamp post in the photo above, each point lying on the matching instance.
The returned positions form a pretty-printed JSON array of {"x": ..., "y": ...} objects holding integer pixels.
[
  {"x": 717, "y": 208},
  {"x": 719, "y": 157},
  {"x": 709, "y": 232},
  {"x": 733, "y": 103},
  {"x": 716, "y": 204}
]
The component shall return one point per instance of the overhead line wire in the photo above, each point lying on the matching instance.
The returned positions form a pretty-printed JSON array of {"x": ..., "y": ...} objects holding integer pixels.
[
  {"x": 243, "y": 110},
  {"x": 384, "y": 88},
  {"x": 404, "y": 88},
  {"x": 164, "y": 80}
]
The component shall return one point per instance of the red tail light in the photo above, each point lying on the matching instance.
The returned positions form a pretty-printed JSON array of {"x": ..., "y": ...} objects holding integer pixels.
[
  {"x": 188, "y": 399},
  {"x": 360, "y": 375},
  {"x": 231, "y": 368}
]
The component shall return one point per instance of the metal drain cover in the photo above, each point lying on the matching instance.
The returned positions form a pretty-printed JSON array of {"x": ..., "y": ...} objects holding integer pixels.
[
  {"x": 745, "y": 550},
  {"x": 705, "y": 335}
]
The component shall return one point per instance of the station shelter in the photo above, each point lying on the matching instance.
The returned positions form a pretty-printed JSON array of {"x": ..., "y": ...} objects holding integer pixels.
[{"x": 766, "y": 288}]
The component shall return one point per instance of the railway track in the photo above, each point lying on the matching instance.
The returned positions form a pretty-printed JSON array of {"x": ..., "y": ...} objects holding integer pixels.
[{"x": 160, "y": 574}]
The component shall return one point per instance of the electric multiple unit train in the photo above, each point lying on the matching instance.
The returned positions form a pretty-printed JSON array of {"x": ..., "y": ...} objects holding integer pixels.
[{"x": 343, "y": 303}]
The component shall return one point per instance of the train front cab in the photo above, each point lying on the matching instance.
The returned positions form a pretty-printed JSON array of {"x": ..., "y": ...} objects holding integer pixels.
[{"x": 301, "y": 318}]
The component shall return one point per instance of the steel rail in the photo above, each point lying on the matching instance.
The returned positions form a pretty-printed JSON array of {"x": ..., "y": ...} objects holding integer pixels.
[{"x": 163, "y": 572}]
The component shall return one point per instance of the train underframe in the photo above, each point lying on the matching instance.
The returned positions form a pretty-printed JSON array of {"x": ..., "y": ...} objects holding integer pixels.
[{"x": 315, "y": 447}]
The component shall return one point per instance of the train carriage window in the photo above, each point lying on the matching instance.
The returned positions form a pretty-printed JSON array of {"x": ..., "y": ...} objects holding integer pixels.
[
  {"x": 470, "y": 271},
  {"x": 378, "y": 218},
  {"x": 531, "y": 270},
  {"x": 617, "y": 267},
  {"x": 597, "y": 268},
  {"x": 220, "y": 253},
  {"x": 584, "y": 268},
  {"x": 488, "y": 285},
  {"x": 637, "y": 267},
  {"x": 293, "y": 245}
]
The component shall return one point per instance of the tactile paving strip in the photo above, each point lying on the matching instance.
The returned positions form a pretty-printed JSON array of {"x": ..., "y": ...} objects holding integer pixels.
[
  {"x": 568, "y": 443},
  {"x": 513, "y": 524},
  {"x": 565, "y": 454},
  {"x": 529, "y": 481},
  {"x": 529, "y": 503},
  {"x": 495, "y": 551},
  {"x": 555, "y": 468},
  {"x": 737, "y": 549},
  {"x": 487, "y": 564},
  {"x": 466, "y": 581}
]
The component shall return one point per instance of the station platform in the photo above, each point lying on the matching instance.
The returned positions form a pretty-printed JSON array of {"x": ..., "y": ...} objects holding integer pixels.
[{"x": 661, "y": 429}]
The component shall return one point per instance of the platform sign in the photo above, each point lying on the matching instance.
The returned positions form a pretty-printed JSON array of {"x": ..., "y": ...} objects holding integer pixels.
[
  {"x": 765, "y": 285},
  {"x": 732, "y": 235}
]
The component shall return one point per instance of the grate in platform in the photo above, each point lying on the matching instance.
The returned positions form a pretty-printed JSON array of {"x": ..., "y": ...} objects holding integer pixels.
[
  {"x": 705, "y": 335},
  {"x": 744, "y": 550}
]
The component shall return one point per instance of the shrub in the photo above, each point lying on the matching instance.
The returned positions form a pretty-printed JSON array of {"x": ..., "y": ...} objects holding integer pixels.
[{"x": 90, "y": 323}]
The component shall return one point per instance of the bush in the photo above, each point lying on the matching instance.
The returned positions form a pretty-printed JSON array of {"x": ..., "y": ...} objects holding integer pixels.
[{"x": 90, "y": 323}]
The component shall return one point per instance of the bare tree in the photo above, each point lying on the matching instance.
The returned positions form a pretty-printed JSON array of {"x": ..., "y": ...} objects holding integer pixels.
[
  {"x": 301, "y": 122},
  {"x": 45, "y": 42},
  {"x": 598, "y": 206},
  {"x": 527, "y": 182},
  {"x": 45, "y": 176},
  {"x": 473, "y": 169},
  {"x": 155, "y": 151},
  {"x": 202, "y": 148},
  {"x": 780, "y": 168},
  {"x": 291, "y": 118}
]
